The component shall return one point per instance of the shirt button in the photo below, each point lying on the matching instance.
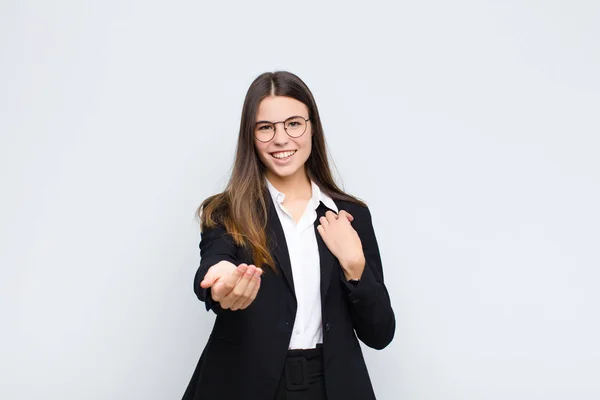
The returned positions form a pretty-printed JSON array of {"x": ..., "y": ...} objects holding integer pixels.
[
  {"x": 327, "y": 327},
  {"x": 297, "y": 331}
]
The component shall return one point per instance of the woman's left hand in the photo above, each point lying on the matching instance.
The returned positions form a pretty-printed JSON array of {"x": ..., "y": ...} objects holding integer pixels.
[{"x": 343, "y": 242}]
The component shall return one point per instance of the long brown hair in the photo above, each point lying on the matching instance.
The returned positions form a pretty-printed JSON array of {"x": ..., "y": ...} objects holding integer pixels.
[{"x": 242, "y": 206}]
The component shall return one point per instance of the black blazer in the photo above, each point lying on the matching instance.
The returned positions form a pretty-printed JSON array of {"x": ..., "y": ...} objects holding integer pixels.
[{"x": 246, "y": 350}]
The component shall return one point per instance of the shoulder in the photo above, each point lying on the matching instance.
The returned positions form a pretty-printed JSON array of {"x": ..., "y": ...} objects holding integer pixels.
[
  {"x": 350, "y": 205},
  {"x": 361, "y": 213},
  {"x": 213, "y": 211},
  {"x": 362, "y": 222}
]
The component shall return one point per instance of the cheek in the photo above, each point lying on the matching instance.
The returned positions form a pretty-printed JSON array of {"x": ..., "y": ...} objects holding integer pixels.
[
  {"x": 259, "y": 147},
  {"x": 307, "y": 146}
]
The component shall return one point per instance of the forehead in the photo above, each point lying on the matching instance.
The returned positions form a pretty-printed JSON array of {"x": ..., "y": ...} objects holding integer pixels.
[{"x": 278, "y": 108}]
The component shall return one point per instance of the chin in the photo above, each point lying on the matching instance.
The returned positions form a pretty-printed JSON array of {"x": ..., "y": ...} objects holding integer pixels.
[{"x": 283, "y": 172}]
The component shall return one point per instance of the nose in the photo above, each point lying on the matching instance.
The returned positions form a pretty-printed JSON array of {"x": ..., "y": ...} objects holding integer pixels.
[{"x": 281, "y": 136}]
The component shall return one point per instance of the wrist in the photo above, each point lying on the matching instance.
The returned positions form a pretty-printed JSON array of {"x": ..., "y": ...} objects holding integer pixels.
[
  {"x": 353, "y": 269},
  {"x": 353, "y": 274},
  {"x": 353, "y": 277}
]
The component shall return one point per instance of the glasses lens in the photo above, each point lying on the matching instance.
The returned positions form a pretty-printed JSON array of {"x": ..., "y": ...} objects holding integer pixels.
[
  {"x": 264, "y": 131},
  {"x": 295, "y": 126}
]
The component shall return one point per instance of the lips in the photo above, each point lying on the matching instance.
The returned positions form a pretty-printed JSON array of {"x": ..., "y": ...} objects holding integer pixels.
[
  {"x": 282, "y": 155},
  {"x": 282, "y": 162}
]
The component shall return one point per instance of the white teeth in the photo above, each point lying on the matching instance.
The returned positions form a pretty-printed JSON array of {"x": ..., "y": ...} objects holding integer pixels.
[{"x": 283, "y": 154}]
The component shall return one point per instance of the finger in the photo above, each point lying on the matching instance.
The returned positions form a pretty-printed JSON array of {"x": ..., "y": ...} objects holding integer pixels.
[
  {"x": 238, "y": 290},
  {"x": 232, "y": 279},
  {"x": 253, "y": 294},
  {"x": 331, "y": 216},
  {"x": 324, "y": 222},
  {"x": 208, "y": 280},
  {"x": 346, "y": 214},
  {"x": 245, "y": 300},
  {"x": 243, "y": 288},
  {"x": 223, "y": 286},
  {"x": 255, "y": 287},
  {"x": 217, "y": 290},
  {"x": 321, "y": 230}
]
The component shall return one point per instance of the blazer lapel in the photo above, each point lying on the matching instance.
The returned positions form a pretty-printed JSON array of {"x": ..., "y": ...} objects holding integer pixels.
[
  {"x": 326, "y": 258},
  {"x": 279, "y": 245}
]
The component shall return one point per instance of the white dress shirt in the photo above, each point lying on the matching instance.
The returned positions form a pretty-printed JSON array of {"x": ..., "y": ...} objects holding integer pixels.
[{"x": 301, "y": 242}]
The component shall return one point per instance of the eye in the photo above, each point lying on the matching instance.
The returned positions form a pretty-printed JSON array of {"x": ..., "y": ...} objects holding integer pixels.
[
  {"x": 293, "y": 123},
  {"x": 264, "y": 127}
]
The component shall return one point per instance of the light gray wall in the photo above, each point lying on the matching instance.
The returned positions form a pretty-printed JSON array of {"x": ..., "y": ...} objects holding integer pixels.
[{"x": 470, "y": 128}]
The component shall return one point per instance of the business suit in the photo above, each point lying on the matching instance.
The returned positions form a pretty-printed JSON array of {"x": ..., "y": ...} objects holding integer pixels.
[{"x": 246, "y": 350}]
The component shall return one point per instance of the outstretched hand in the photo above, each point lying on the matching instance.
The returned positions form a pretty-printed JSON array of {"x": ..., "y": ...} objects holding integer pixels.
[{"x": 233, "y": 287}]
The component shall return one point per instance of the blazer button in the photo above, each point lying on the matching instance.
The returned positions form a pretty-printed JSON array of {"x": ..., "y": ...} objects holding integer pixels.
[{"x": 327, "y": 327}]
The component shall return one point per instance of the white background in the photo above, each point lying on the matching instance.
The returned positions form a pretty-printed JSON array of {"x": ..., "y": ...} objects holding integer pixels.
[{"x": 471, "y": 128}]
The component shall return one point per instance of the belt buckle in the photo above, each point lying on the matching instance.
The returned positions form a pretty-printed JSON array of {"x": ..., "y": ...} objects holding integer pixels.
[{"x": 296, "y": 373}]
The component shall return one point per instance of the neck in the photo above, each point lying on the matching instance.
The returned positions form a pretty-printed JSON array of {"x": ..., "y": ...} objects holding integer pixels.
[{"x": 294, "y": 187}]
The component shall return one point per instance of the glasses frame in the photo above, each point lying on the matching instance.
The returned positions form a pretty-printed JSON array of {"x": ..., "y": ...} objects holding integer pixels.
[{"x": 284, "y": 128}]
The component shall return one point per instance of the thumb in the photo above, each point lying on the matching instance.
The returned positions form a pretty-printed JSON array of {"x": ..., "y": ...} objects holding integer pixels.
[
  {"x": 208, "y": 281},
  {"x": 348, "y": 216}
]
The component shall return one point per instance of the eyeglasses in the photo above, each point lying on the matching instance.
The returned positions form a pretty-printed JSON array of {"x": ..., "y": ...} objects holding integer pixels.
[{"x": 294, "y": 126}]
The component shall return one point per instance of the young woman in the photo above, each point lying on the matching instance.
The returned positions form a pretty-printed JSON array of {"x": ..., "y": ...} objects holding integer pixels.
[{"x": 289, "y": 263}]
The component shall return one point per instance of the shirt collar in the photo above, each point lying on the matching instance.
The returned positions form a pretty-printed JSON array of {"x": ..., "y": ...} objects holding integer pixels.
[{"x": 318, "y": 196}]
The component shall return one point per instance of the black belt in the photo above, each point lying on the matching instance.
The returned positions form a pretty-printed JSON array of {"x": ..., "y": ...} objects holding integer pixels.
[{"x": 303, "y": 367}]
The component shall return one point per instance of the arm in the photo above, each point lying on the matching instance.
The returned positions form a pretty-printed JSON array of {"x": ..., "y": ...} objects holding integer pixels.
[{"x": 369, "y": 302}]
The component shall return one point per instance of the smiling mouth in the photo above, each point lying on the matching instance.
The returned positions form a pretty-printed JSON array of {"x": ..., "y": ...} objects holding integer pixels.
[{"x": 282, "y": 155}]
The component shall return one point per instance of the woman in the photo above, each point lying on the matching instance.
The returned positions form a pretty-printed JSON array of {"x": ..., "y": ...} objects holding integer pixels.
[{"x": 289, "y": 263}]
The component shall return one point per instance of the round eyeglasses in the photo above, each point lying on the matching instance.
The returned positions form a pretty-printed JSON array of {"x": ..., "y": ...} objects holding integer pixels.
[{"x": 295, "y": 127}]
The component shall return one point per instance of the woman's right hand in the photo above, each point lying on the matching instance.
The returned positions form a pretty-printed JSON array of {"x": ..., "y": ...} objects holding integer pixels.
[{"x": 233, "y": 287}]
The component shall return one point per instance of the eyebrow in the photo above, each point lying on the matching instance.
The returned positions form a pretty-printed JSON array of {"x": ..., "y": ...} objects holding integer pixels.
[{"x": 292, "y": 116}]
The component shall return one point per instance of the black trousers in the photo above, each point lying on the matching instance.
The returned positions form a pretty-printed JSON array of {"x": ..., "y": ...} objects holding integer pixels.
[{"x": 302, "y": 377}]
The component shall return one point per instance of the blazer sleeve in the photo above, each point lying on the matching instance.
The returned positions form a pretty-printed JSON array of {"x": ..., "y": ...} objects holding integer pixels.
[
  {"x": 215, "y": 245},
  {"x": 369, "y": 301}
]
